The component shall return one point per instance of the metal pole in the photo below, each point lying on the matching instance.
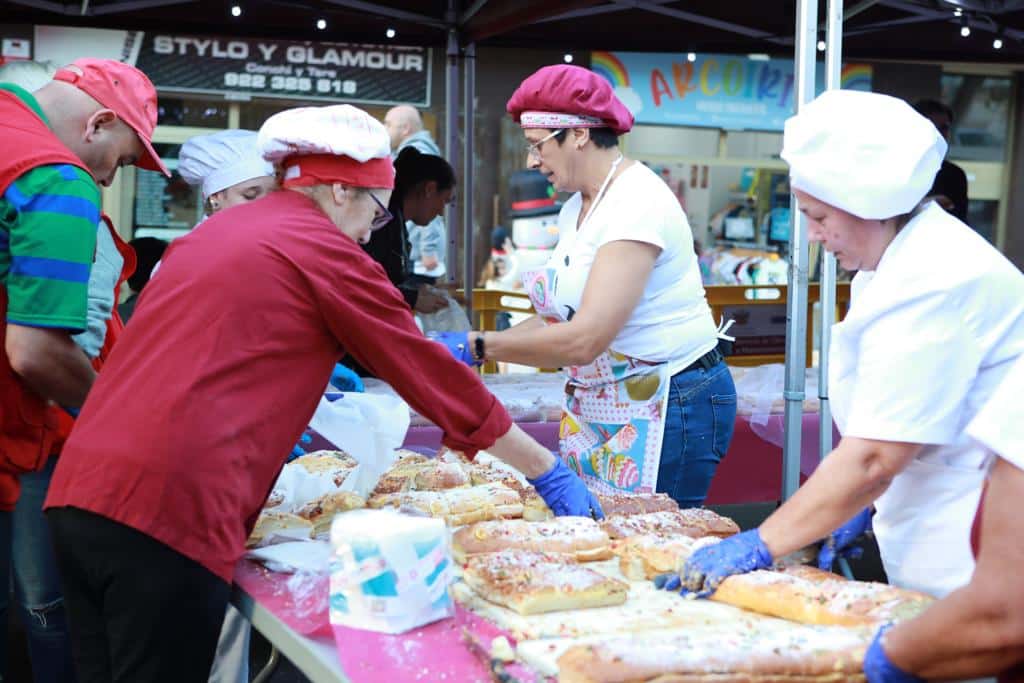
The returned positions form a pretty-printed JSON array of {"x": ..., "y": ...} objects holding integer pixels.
[
  {"x": 796, "y": 304},
  {"x": 827, "y": 287},
  {"x": 451, "y": 133},
  {"x": 468, "y": 110}
]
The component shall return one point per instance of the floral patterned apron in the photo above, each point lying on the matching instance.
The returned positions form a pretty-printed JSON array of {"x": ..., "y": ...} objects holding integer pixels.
[{"x": 613, "y": 418}]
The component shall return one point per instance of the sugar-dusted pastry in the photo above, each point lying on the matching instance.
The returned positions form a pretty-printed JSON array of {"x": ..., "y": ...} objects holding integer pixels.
[
  {"x": 694, "y": 522},
  {"x": 531, "y": 583},
  {"x": 321, "y": 511},
  {"x": 579, "y": 537},
  {"x": 457, "y": 506}
]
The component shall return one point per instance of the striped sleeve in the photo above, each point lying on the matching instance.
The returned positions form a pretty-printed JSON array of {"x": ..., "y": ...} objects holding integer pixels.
[{"x": 51, "y": 247}]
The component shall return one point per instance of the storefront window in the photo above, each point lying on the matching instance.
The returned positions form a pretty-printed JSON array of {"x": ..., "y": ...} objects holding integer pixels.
[
  {"x": 165, "y": 208},
  {"x": 197, "y": 113},
  {"x": 981, "y": 113}
]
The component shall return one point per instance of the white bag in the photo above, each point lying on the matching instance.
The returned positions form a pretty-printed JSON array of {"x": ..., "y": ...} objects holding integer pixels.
[{"x": 369, "y": 427}]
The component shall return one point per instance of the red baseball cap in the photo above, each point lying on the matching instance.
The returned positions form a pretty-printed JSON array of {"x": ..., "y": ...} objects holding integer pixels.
[{"x": 124, "y": 90}]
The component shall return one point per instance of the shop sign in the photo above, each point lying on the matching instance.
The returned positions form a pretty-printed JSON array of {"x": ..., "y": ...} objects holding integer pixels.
[
  {"x": 384, "y": 74},
  {"x": 734, "y": 92}
]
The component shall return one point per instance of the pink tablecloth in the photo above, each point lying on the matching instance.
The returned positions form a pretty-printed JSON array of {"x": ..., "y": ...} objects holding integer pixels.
[{"x": 435, "y": 652}]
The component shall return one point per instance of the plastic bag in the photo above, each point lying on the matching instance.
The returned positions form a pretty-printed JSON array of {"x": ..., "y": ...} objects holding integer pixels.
[
  {"x": 369, "y": 427},
  {"x": 450, "y": 319}
]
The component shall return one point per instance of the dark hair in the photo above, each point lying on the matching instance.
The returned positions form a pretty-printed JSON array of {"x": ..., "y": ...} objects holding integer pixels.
[
  {"x": 603, "y": 138},
  {"x": 929, "y": 108},
  {"x": 148, "y": 252},
  {"x": 413, "y": 167}
]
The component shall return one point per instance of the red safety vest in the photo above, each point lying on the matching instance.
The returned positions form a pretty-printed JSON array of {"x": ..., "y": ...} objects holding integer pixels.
[{"x": 28, "y": 426}]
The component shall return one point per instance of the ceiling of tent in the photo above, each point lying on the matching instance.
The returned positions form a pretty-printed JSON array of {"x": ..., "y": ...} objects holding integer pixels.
[{"x": 879, "y": 29}]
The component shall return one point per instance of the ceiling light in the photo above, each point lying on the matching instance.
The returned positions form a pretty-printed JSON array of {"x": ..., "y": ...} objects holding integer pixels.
[
  {"x": 321, "y": 24},
  {"x": 759, "y": 57},
  {"x": 997, "y": 44},
  {"x": 821, "y": 46},
  {"x": 236, "y": 11},
  {"x": 691, "y": 56},
  {"x": 958, "y": 12},
  {"x": 390, "y": 33},
  {"x": 965, "y": 31}
]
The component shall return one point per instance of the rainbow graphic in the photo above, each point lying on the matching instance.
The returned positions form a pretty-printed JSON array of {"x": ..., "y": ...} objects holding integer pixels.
[
  {"x": 856, "y": 77},
  {"x": 609, "y": 66}
]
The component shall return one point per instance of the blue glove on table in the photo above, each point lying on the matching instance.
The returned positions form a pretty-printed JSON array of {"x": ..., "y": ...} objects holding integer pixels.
[
  {"x": 565, "y": 493},
  {"x": 458, "y": 344},
  {"x": 344, "y": 378},
  {"x": 879, "y": 669},
  {"x": 841, "y": 542},
  {"x": 712, "y": 564}
]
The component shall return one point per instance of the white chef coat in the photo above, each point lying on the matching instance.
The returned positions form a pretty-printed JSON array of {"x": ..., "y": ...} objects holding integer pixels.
[
  {"x": 999, "y": 426},
  {"x": 929, "y": 336}
]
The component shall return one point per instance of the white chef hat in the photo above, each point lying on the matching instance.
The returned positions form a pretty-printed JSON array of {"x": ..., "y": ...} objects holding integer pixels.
[
  {"x": 338, "y": 143},
  {"x": 871, "y": 155},
  {"x": 220, "y": 160}
]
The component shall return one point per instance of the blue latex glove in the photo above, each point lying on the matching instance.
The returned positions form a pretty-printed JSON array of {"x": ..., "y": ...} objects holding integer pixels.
[
  {"x": 712, "y": 564},
  {"x": 299, "y": 451},
  {"x": 458, "y": 344},
  {"x": 565, "y": 493},
  {"x": 345, "y": 379},
  {"x": 73, "y": 412},
  {"x": 841, "y": 542},
  {"x": 879, "y": 669}
]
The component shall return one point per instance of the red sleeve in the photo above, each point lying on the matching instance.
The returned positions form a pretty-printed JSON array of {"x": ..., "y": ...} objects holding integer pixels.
[{"x": 368, "y": 315}]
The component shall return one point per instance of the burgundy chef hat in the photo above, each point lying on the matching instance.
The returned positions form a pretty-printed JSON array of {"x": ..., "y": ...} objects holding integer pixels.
[{"x": 567, "y": 96}]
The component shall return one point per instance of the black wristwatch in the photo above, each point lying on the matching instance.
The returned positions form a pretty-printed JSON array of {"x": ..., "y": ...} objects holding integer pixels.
[{"x": 478, "y": 347}]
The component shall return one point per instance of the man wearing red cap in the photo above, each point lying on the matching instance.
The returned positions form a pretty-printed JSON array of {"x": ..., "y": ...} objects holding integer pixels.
[
  {"x": 170, "y": 463},
  {"x": 60, "y": 141}
]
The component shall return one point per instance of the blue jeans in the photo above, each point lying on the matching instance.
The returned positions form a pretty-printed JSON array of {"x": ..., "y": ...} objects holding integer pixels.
[
  {"x": 698, "y": 428},
  {"x": 27, "y": 561}
]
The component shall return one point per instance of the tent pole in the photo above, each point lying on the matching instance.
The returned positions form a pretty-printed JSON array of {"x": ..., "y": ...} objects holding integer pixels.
[
  {"x": 833, "y": 73},
  {"x": 451, "y": 133},
  {"x": 469, "y": 110},
  {"x": 796, "y": 303}
]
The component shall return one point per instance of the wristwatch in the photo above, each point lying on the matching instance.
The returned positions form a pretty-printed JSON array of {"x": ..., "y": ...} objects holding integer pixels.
[{"x": 478, "y": 347}]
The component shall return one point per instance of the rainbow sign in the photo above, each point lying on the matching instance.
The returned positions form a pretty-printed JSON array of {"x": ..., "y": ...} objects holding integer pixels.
[{"x": 715, "y": 91}]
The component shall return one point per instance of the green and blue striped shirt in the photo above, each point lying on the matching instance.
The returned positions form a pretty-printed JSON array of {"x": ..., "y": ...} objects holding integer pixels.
[{"x": 48, "y": 219}]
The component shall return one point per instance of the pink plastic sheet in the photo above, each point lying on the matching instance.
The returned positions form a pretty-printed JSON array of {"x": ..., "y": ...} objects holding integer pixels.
[{"x": 436, "y": 652}]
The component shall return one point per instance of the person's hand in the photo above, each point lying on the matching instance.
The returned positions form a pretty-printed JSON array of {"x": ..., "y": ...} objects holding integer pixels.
[
  {"x": 878, "y": 668},
  {"x": 565, "y": 493},
  {"x": 429, "y": 300},
  {"x": 843, "y": 541},
  {"x": 344, "y": 378},
  {"x": 299, "y": 450},
  {"x": 711, "y": 565},
  {"x": 458, "y": 344},
  {"x": 429, "y": 261}
]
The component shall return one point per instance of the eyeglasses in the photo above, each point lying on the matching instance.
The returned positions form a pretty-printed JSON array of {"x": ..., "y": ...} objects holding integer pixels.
[
  {"x": 382, "y": 217},
  {"x": 533, "y": 148}
]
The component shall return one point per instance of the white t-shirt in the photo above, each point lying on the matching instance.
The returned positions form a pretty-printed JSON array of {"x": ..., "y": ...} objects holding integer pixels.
[
  {"x": 672, "y": 322},
  {"x": 929, "y": 336},
  {"x": 1000, "y": 424}
]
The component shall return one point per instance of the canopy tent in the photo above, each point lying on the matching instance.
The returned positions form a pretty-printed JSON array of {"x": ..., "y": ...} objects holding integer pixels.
[{"x": 877, "y": 29}]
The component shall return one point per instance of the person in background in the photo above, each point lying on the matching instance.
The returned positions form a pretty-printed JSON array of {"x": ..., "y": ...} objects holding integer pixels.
[
  {"x": 861, "y": 165},
  {"x": 620, "y": 303},
  {"x": 424, "y": 185},
  {"x": 148, "y": 252},
  {"x": 170, "y": 463},
  {"x": 950, "y": 186},
  {"x": 977, "y": 630},
  {"x": 501, "y": 271},
  {"x": 426, "y": 240},
  {"x": 60, "y": 265}
]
